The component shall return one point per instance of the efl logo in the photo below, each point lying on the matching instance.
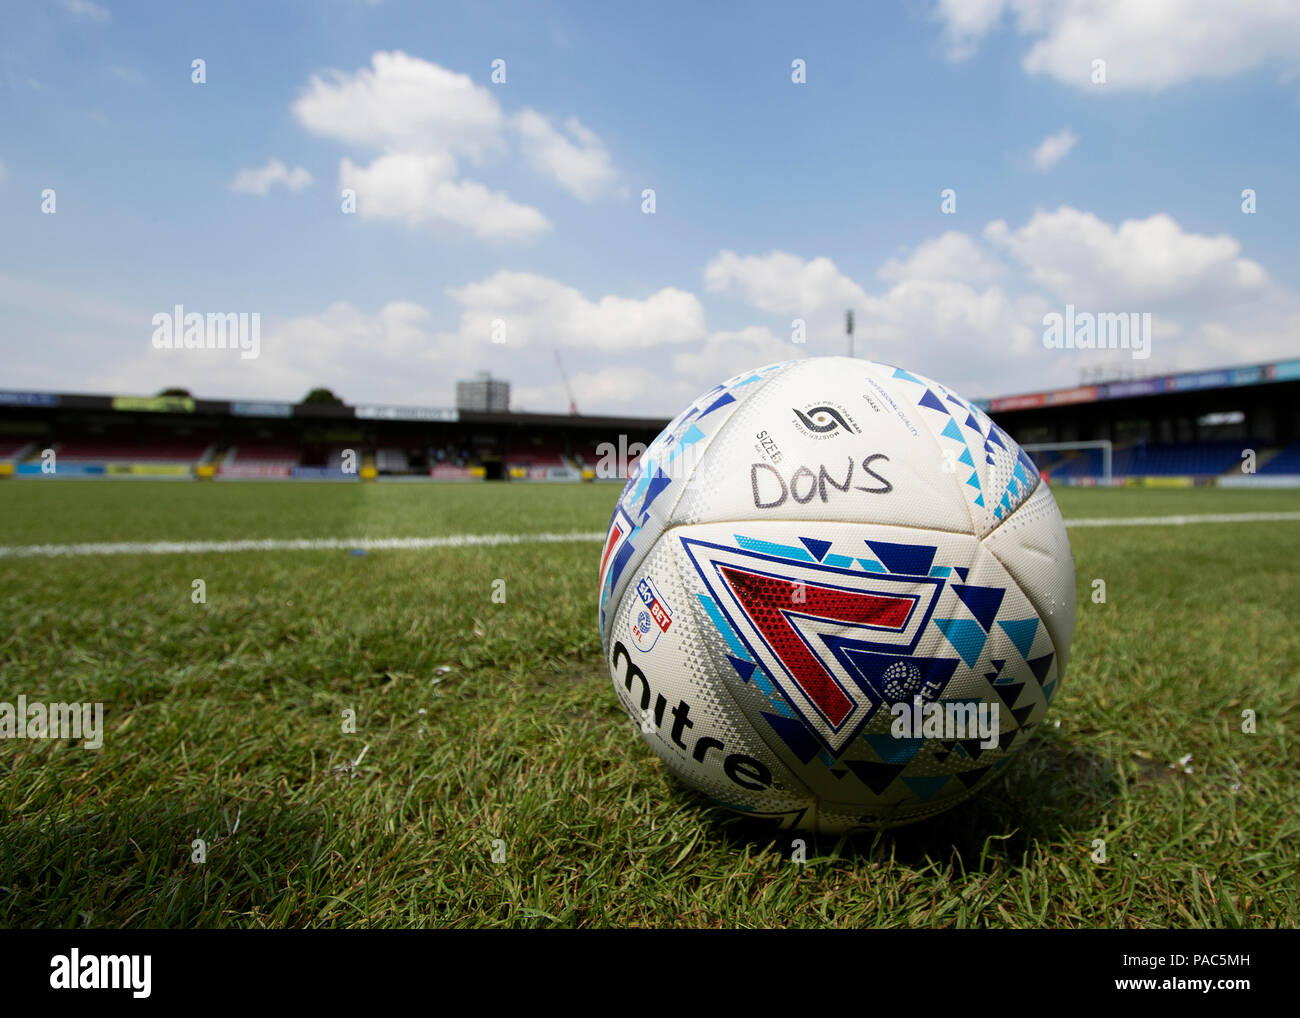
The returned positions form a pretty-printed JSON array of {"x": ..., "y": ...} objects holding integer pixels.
[{"x": 653, "y": 618}]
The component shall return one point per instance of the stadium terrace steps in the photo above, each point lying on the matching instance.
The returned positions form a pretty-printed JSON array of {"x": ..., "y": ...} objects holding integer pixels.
[
  {"x": 101, "y": 451},
  {"x": 1282, "y": 461},
  {"x": 1186, "y": 459},
  {"x": 1190, "y": 459}
]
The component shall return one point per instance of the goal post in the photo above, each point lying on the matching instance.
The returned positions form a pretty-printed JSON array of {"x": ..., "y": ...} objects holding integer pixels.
[{"x": 1103, "y": 444}]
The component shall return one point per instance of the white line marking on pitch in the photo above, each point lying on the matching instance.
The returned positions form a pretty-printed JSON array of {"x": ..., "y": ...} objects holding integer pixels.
[
  {"x": 491, "y": 540},
  {"x": 305, "y": 544},
  {"x": 1180, "y": 521}
]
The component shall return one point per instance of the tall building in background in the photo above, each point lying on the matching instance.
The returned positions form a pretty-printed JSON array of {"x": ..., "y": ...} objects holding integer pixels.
[{"x": 483, "y": 393}]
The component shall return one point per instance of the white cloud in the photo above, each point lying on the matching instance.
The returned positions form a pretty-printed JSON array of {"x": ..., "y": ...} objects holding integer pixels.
[
  {"x": 935, "y": 316},
  {"x": 85, "y": 10},
  {"x": 260, "y": 181},
  {"x": 1147, "y": 46},
  {"x": 1052, "y": 149},
  {"x": 541, "y": 312},
  {"x": 954, "y": 310},
  {"x": 420, "y": 189},
  {"x": 1084, "y": 260},
  {"x": 966, "y": 22},
  {"x": 402, "y": 103},
  {"x": 575, "y": 159},
  {"x": 782, "y": 283},
  {"x": 951, "y": 256},
  {"x": 729, "y": 352},
  {"x": 621, "y": 389},
  {"x": 422, "y": 119},
  {"x": 386, "y": 355},
  {"x": 647, "y": 386}
]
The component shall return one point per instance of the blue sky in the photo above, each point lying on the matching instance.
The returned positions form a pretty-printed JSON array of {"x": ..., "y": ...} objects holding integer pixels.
[{"x": 520, "y": 202}]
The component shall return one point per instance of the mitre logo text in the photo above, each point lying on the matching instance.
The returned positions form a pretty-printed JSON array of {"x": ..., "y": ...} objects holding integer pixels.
[{"x": 744, "y": 771}]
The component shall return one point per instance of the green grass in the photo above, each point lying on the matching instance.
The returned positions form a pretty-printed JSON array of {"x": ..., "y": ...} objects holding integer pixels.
[{"x": 233, "y": 708}]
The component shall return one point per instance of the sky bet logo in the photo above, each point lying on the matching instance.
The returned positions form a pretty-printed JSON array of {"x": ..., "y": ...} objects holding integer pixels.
[{"x": 652, "y": 618}]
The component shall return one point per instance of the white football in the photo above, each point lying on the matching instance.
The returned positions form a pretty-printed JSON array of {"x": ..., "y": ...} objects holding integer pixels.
[{"x": 836, "y": 595}]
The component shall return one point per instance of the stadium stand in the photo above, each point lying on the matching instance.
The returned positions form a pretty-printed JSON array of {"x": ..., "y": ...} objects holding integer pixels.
[
  {"x": 267, "y": 454},
  {"x": 540, "y": 454},
  {"x": 1191, "y": 459},
  {"x": 1072, "y": 465},
  {"x": 13, "y": 450},
  {"x": 1285, "y": 462},
  {"x": 260, "y": 460},
  {"x": 146, "y": 451},
  {"x": 1191, "y": 427},
  {"x": 392, "y": 461}
]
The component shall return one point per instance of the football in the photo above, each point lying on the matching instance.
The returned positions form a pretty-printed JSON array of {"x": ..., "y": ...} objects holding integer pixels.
[{"x": 836, "y": 595}]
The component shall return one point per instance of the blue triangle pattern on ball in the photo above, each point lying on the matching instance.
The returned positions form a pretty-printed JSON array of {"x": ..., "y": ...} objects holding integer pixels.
[
  {"x": 892, "y": 750},
  {"x": 876, "y": 776},
  {"x": 744, "y": 668},
  {"x": 818, "y": 548},
  {"x": 912, "y": 559},
  {"x": 721, "y": 401},
  {"x": 924, "y": 788},
  {"x": 932, "y": 401},
  {"x": 1040, "y": 666},
  {"x": 803, "y": 744},
  {"x": 966, "y": 637},
  {"x": 653, "y": 490},
  {"x": 1022, "y": 633},
  {"x": 983, "y": 602}
]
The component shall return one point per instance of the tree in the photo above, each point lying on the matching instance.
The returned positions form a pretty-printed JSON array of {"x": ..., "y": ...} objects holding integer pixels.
[
  {"x": 319, "y": 396},
  {"x": 174, "y": 391}
]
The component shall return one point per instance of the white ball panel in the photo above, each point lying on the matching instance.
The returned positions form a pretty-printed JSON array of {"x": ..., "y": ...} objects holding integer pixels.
[{"x": 1034, "y": 547}]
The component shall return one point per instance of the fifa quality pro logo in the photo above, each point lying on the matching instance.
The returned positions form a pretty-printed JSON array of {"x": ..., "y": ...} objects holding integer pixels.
[{"x": 824, "y": 420}]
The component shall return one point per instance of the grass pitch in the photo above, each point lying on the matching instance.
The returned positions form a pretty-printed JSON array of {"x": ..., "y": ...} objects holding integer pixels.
[{"x": 482, "y": 725}]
